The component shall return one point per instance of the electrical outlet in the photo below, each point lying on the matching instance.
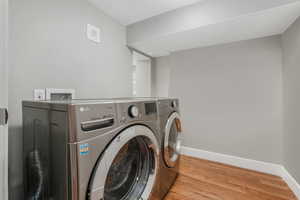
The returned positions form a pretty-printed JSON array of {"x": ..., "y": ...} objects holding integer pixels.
[{"x": 39, "y": 95}]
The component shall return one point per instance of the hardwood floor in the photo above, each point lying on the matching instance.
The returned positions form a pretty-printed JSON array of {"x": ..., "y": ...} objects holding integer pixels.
[{"x": 205, "y": 180}]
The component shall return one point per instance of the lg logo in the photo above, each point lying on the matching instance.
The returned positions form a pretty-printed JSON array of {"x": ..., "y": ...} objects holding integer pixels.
[{"x": 84, "y": 109}]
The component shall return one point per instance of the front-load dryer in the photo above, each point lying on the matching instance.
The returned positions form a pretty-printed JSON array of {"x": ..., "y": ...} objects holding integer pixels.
[
  {"x": 91, "y": 150},
  {"x": 171, "y": 138}
]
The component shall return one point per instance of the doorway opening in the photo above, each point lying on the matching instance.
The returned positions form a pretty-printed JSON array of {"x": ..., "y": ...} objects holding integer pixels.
[{"x": 141, "y": 75}]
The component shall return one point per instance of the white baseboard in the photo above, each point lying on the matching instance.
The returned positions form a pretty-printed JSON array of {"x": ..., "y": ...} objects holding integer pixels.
[
  {"x": 264, "y": 167},
  {"x": 255, "y": 165},
  {"x": 293, "y": 184}
]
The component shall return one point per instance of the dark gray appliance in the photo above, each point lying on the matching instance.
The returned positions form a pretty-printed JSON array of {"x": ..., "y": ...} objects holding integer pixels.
[
  {"x": 91, "y": 149},
  {"x": 171, "y": 137}
]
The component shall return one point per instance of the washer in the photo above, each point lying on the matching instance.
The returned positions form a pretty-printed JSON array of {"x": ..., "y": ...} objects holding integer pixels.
[
  {"x": 91, "y": 149},
  {"x": 171, "y": 137}
]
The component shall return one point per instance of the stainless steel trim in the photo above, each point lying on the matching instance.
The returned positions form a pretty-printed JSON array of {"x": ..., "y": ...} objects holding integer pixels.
[
  {"x": 178, "y": 146},
  {"x": 72, "y": 124},
  {"x": 73, "y": 171},
  {"x": 171, "y": 161},
  {"x": 98, "y": 181}
]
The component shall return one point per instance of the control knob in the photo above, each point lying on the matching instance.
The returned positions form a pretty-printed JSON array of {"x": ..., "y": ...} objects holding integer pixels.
[
  {"x": 174, "y": 104},
  {"x": 133, "y": 111}
]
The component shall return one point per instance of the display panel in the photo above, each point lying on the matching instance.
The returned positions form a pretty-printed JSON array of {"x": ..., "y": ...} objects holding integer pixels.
[{"x": 150, "y": 108}]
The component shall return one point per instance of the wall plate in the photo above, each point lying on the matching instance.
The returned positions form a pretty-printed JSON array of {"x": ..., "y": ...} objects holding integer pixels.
[
  {"x": 52, "y": 92},
  {"x": 39, "y": 94}
]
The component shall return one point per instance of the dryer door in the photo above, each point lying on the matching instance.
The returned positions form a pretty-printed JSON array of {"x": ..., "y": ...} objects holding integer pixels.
[
  {"x": 172, "y": 142},
  {"x": 127, "y": 170}
]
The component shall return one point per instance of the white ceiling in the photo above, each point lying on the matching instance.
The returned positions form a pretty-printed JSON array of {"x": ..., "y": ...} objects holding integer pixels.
[
  {"x": 270, "y": 22},
  {"x": 212, "y": 22},
  {"x": 131, "y": 11},
  {"x": 159, "y": 27}
]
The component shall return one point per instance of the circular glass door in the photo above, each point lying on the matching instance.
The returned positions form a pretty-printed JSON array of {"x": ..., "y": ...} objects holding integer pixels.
[
  {"x": 172, "y": 142},
  {"x": 129, "y": 172},
  {"x": 128, "y": 168}
]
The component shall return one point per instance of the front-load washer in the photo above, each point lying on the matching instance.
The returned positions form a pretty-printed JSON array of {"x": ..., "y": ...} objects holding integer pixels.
[
  {"x": 171, "y": 138},
  {"x": 91, "y": 150}
]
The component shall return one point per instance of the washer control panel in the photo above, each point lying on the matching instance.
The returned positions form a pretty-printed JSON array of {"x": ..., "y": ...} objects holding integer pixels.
[{"x": 137, "y": 111}]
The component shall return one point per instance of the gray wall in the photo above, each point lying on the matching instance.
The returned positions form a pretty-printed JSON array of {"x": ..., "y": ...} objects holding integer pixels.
[
  {"x": 231, "y": 97},
  {"x": 291, "y": 72},
  {"x": 3, "y": 96},
  {"x": 3, "y": 53},
  {"x": 49, "y": 49}
]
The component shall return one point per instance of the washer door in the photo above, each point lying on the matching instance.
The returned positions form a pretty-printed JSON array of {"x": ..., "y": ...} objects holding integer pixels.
[
  {"x": 172, "y": 142},
  {"x": 127, "y": 169}
]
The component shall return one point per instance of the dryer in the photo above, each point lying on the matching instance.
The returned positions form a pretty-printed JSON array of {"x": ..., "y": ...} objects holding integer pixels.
[
  {"x": 91, "y": 149},
  {"x": 171, "y": 138}
]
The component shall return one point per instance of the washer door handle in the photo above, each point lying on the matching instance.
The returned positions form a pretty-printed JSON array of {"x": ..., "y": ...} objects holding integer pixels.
[
  {"x": 97, "y": 124},
  {"x": 3, "y": 116}
]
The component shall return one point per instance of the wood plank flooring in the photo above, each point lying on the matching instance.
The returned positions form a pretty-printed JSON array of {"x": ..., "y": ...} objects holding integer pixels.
[{"x": 205, "y": 180}]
